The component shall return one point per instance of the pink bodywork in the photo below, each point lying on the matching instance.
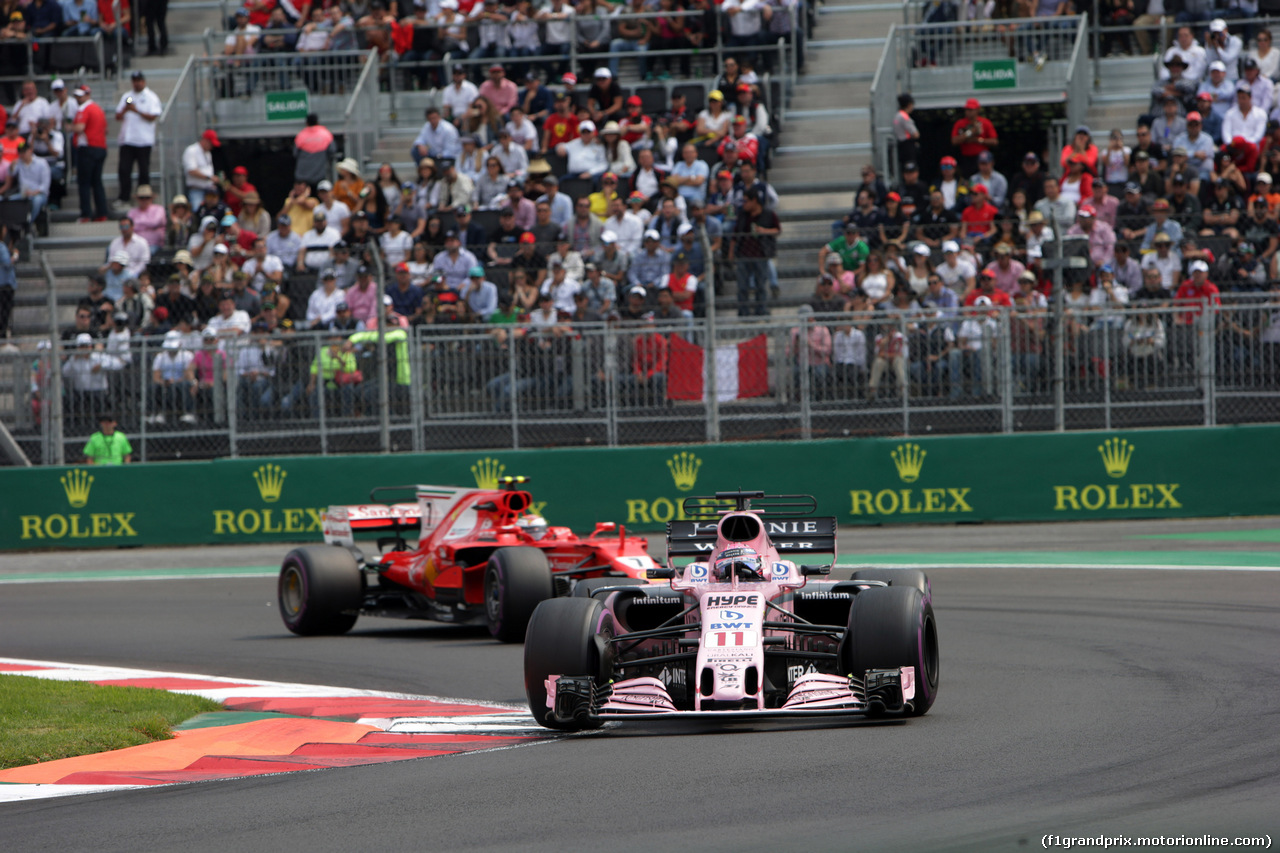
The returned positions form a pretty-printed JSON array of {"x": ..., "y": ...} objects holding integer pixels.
[{"x": 732, "y": 616}]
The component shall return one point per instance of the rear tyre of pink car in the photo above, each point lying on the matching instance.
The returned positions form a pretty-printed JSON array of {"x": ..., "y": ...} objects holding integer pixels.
[
  {"x": 891, "y": 627},
  {"x": 515, "y": 582},
  {"x": 562, "y": 641},
  {"x": 319, "y": 590}
]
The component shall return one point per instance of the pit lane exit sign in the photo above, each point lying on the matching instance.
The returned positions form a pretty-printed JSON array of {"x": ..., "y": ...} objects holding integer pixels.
[
  {"x": 995, "y": 74},
  {"x": 287, "y": 106}
]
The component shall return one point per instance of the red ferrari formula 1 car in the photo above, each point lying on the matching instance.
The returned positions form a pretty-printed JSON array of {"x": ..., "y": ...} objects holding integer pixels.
[{"x": 480, "y": 556}]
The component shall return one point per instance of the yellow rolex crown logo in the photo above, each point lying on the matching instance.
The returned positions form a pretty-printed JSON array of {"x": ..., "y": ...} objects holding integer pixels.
[
  {"x": 908, "y": 459},
  {"x": 1116, "y": 453},
  {"x": 270, "y": 480},
  {"x": 684, "y": 470},
  {"x": 487, "y": 471},
  {"x": 76, "y": 483}
]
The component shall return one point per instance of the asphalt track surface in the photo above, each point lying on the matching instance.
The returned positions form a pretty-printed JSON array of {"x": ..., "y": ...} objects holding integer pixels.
[{"x": 1073, "y": 702}]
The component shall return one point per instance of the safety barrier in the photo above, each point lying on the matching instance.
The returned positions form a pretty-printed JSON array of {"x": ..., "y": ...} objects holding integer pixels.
[{"x": 1176, "y": 473}]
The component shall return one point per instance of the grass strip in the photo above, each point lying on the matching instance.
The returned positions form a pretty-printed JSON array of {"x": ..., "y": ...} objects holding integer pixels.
[{"x": 44, "y": 720}]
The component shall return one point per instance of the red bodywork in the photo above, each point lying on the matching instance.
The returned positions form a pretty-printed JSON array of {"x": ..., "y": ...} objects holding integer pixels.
[{"x": 459, "y": 529}]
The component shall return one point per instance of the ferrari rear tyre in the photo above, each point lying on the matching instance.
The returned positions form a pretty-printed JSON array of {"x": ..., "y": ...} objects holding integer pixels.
[
  {"x": 562, "y": 641},
  {"x": 898, "y": 577},
  {"x": 515, "y": 582},
  {"x": 319, "y": 590},
  {"x": 891, "y": 627},
  {"x": 587, "y": 588}
]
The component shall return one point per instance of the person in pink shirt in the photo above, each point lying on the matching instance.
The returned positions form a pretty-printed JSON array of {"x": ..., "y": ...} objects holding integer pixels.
[
  {"x": 1005, "y": 269},
  {"x": 362, "y": 297},
  {"x": 500, "y": 91},
  {"x": 208, "y": 364},
  {"x": 149, "y": 219}
]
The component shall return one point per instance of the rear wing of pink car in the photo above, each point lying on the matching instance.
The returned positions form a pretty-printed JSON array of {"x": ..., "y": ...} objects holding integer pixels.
[{"x": 788, "y": 535}]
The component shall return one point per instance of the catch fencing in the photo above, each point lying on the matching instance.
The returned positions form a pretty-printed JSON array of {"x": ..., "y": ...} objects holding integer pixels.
[{"x": 456, "y": 387}]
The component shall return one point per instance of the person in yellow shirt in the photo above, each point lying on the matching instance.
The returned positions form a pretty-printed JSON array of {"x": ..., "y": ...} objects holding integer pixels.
[
  {"x": 108, "y": 446},
  {"x": 608, "y": 191}
]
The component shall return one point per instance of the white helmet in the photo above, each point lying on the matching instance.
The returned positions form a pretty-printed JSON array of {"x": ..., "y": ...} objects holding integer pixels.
[
  {"x": 534, "y": 525},
  {"x": 744, "y": 563}
]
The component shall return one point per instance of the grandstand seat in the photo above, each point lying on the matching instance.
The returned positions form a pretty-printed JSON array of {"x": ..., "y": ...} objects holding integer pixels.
[
  {"x": 70, "y": 56},
  {"x": 576, "y": 188},
  {"x": 653, "y": 99},
  {"x": 695, "y": 96},
  {"x": 15, "y": 214},
  {"x": 486, "y": 219},
  {"x": 559, "y": 164}
]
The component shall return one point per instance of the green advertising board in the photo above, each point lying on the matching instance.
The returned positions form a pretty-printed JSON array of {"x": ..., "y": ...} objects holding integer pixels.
[
  {"x": 288, "y": 106},
  {"x": 1176, "y": 473},
  {"x": 995, "y": 74}
]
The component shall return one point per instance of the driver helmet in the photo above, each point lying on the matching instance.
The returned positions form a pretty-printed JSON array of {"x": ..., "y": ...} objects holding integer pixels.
[
  {"x": 534, "y": 525},
  {"x": 742, "y": 562}
]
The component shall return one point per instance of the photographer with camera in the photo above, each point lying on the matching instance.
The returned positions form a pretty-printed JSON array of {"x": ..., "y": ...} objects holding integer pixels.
[{"x": 137, "y": 112}]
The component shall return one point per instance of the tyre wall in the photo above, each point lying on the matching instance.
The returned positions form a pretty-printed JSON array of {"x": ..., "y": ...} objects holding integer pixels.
[{"x": 1040, "y": 477}]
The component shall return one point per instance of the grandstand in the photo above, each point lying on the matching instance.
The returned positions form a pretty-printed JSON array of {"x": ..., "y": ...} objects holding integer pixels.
[{"x": 828, "y": 100}]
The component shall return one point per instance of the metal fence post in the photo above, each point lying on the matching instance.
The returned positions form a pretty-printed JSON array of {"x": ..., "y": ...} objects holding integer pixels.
[
  {"x": 611, "y": 383},
  {"x": 417, "y": 379},
  {"x": 317, "y": 346},
  {"x": 1205, "y": 333},
  {"x": 904, "y": 392},
  {"x": 384, "y": 394},
  {"x": 709, "y": 343},
  {"x": 233, "y": 385},
  {"x": 57, "y": 423},
  {"x": 1106, "y": 372},
  {"x": 515, "y": 396},
  {"x": 802, "y": 352},
  {"x": 1005, "y": 364},
  {"x": 143, "y": 403}
]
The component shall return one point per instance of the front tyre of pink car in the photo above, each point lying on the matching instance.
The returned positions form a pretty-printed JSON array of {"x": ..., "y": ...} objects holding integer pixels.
[
  {"x": 891, "y": 627},
  {"x": 562, "y": 640}
]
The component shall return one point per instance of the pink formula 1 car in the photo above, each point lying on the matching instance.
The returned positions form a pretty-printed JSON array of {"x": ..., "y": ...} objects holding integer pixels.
[{"x": 740, "y": 632}]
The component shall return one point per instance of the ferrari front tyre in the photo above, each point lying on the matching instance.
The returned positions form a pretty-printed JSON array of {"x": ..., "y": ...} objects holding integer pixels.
[
  {"x": 562, "y": 641},
  {"x": 319, "y": 590},
  {"x": 898, "y": 577},
  {"x": 515, "y": 582},
  {"x": 892, "y": 627}
]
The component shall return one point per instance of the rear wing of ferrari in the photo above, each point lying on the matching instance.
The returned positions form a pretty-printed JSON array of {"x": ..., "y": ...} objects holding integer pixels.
[
  {"x": 342, "y": 523},
  {"x": 788, "y": 535}
]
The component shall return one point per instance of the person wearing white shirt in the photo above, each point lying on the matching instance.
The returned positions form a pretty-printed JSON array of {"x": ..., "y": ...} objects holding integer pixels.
[
  {"x": 1220, "y": 45},
  {"x": 62, "y": 107},
  {"x": 587, "y": 157},
  {"x": 131, "y": 244},
  {"x": 522, "y": 131},
  {"x": 513, "y": 157},
  {"x": 137, "y": 112},
  {"x": 30, "y": 109},
  {"x": 197, "y": 168},
  {"x": 1267, "y": 57},
  {"x": 229, "y": 321},
  {"x": 322, "y": 306},
  {"x": 337, "y": 211},
  {"x": 624, "y": 227},
  {"x": 1192, "y": 54},
  {"x": 745, "y": 21},
  {"x": 262, "y": 266},
  {"x": 1244, "y": 119},
  {"x": 1262, "y": 87},
  {"x": 458, "y": 95},
  {"x": 561, "y": 288},
  {"x": 243, "y": 40},
  {"x": 436, "y": 139},
  {"x": 317, "y": 243},
  {"x": 396, "y": 242}
]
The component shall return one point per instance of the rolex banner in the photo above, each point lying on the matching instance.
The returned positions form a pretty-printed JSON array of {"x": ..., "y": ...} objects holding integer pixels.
[{"x": 1176, "y": 473}]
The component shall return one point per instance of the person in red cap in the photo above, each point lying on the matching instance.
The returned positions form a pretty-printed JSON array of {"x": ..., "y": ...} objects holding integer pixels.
[
  {"x": 237, "y": 189},
  {"x": 90, "y": 129},
  {"x": 955, "y": 194},
  {"x": 973, "y": 134},
  {"x": 635, "y": 125},
  {"x": 1077, "y": 183},
  {"x": 197, "y": 168},
  {"x": 979, "y": 217}
]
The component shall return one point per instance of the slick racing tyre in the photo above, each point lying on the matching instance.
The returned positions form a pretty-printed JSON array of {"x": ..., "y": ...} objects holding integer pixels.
[
  {"x": 562, "y": 641},
  {"x": 587, "y": 587},
  {"x": 515, "y": 581},
  {"x": 319, "y": 590},
  {"x": 898, "y": 577},
  {"x": 891, "y": 627}
]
